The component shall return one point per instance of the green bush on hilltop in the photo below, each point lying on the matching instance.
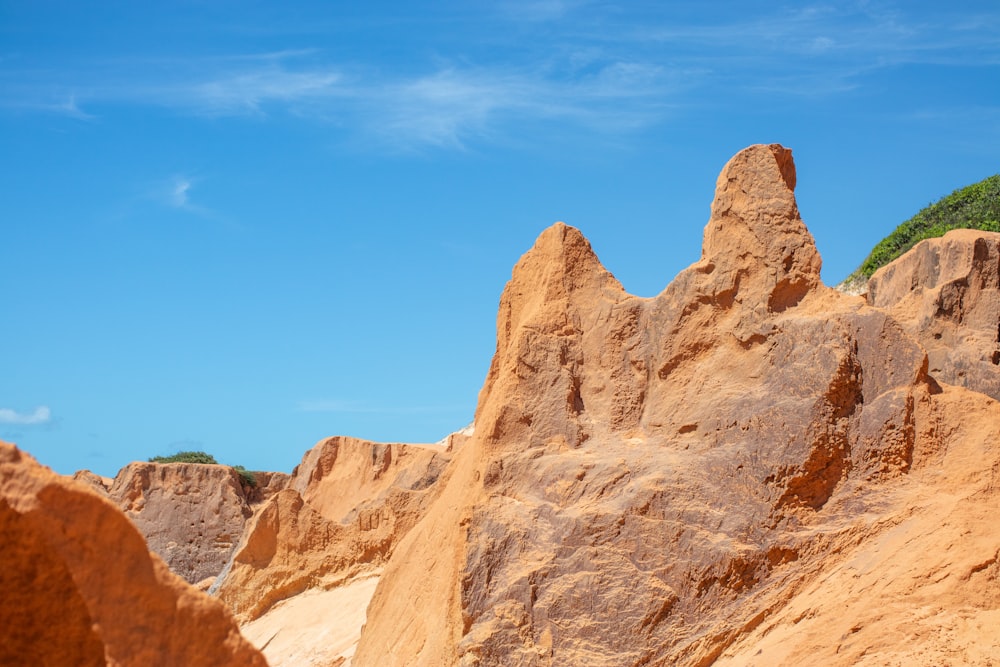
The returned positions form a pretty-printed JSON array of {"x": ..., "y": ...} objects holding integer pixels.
[
  {"x": 248, "y": 477},
  {"x": 976, "y": 206},
  {"x": 185, "y": 457}
]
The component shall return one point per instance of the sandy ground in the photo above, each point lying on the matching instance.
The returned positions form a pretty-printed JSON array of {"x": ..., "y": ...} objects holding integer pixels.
[{"x": 315, "y": 627}]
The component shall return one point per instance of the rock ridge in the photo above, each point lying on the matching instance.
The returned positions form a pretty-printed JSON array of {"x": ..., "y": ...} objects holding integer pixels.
[{"x": 643, "y": 471}]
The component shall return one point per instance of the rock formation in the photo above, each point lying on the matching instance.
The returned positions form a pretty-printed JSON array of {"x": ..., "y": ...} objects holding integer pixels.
[
  {"x": 80, "y": 587},
  {"x": 748, "y": 469},
  {"x": 652, "y": 481},
  {"x": 323, "y": 540},
  {"x": 946, "y": 294},
  {"x": 345, "y": 507},
  {"x": 192, "y": 515}
]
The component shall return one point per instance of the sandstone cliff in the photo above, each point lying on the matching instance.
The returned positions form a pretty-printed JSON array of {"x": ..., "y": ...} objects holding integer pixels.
[
  {"x": 652, "y": 481},
  {"x": 946, "y": 293},
  {"x": 316, "y": 549},
  {"x": 748, "y": 469},
  {"x": 192, "y": 515},
  {"x": 347, "y": 504},
  {"x": 80, "y": 587}
]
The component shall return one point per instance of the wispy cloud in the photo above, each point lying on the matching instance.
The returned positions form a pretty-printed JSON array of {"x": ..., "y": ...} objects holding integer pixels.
[
  {"x": 452, "y": 105},
  {"x": 63, "y": 104},
  {"x": 538, "y": 10},
  {"x": 607, "y": 69},
  {"x": 444, "y": 106},
  {"x": 176, "y": 193},
  {"x": 69, "y": 107},
  {"x": 871, "y": 32},
  {"x": 251, "y": 91},
  {"x": 179, "y": 192},
  {"x": 41, "y": 415}
]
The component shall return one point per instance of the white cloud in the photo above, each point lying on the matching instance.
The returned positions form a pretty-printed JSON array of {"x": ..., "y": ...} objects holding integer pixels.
[
  {"x": 607, "y": 69},
  {"x": 41, "y": 415},
  {"x": 251, "y": 89},
  {"x": 452, "y": 105},
  {"x": 538, "y": 10},
  {"x": 69, "y": 107},
  {"x": 179, "y": 193},
  {"x": 176, "y": 193}
]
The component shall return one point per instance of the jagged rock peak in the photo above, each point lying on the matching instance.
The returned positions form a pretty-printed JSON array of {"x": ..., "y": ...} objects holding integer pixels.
[
  {"x": 559, "y": 264},
  {"x": 755, "y": 233}
]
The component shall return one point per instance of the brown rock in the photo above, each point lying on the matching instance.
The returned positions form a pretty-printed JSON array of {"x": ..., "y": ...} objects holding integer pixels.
[
  {"x": 649, "y": 479},
  {"x": 267, "y": 484},
  {"x": 191, "y": 514},
  {"x": 945, "y": 293},
  {"x": 80, "y": 588}
]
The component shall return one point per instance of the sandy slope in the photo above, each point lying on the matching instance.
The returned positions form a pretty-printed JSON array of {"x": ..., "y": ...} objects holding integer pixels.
[{"x": 315, "y": 627}]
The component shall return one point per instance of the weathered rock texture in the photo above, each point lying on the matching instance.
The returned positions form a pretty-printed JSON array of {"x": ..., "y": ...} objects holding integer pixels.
[
  {"x": 347, "y": 505},
  {"x": 651, "y": 481},
  {"x": 192, "y": 515},
  {"x": 80, "y": 587},
  {"x": 914, "y": 581},
  {"x": 946, "y": 293}
]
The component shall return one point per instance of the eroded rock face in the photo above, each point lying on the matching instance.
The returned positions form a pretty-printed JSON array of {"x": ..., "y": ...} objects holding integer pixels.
[
  {"x": 651, "y": 478},
  {"x": 191, "y": 514},
  {"x": 80, "y": 587},
  {"x": 347, "y": 505},
  {"x": 946, "y": 293}
]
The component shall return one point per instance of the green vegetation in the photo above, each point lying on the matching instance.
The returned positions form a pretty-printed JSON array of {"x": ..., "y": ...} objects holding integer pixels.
[
  {"x": 248, "y": 477},
  {"x": 974, "y": 207},
  {"x": 185, "y": 457}
]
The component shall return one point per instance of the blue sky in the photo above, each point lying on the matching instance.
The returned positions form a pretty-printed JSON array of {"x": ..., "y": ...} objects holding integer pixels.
[{"x": 242, "y": 227}]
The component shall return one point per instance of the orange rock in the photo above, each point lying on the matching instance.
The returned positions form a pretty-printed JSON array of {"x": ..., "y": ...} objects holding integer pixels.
[
  {"x": 80, "y": 587},
  {"x": 346, "y": 507},
  {"x": 650, "y": 479},
  {"x": 946, "y": 293},
  {"x": 748, "y": 469}
]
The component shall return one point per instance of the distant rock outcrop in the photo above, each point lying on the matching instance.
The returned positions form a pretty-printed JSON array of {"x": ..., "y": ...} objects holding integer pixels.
[
  {"x": 191, "y": 514},
  {"x": 80, "y": 588},
  {"x": 653, "y": 481}
]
